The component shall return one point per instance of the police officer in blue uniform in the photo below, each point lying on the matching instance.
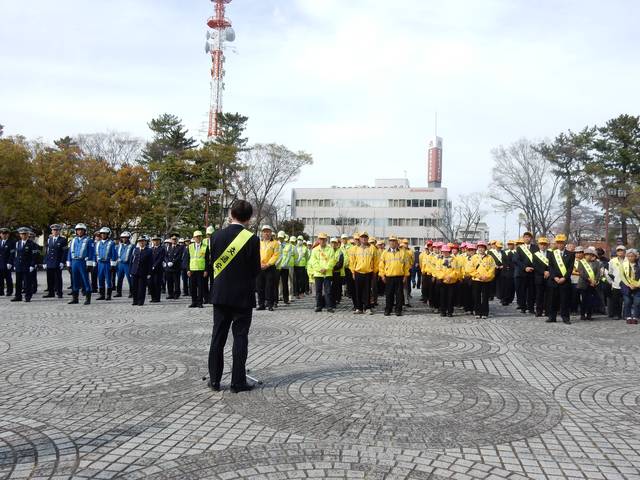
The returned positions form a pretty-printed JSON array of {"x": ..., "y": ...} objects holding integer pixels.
[
  {"x": 24, "y": 263},
  {"x": 107, "y": 260},
  {"x": 123, "y": 255},
  {"x": 54, "y": 261},
  {"x": 7, "y": 252},
  {"x": 81, "y": 260},
  {"x": 140, "y": 270}
]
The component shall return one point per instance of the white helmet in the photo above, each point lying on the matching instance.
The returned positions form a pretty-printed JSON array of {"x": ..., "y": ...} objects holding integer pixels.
[
  {"x": 81, "y": 226},
  {"x": 125, "y": 234},
  {"x": 106, "y": 230}
]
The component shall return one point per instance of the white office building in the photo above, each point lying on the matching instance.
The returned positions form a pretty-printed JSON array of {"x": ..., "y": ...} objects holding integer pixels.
[{"x": 391, "y": 207}]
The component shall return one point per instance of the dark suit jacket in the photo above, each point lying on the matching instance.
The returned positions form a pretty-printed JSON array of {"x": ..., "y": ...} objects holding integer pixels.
[
  {"x": 25, "y": 256},
  {"x": 56, "y": 252},
  {"x": 554, "y": 271},
  {"x": 540, "y": 267},
  {"x": 236, "y": 284},
  {"x": 158, "y": 255},
  {"x": 174, "y": 255},
  {"x": 141, "y": 262},
  {"x": 522, "y": 261},
  {"x": 7, "y": 253}
]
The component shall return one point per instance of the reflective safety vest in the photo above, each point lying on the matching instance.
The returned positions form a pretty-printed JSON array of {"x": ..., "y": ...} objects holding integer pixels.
[
  {"x": 628, "y": 275},
  {"x": 197, "y": 261},
  {"x": 542, "y": 257},
  {"x": 302, "y": 255}
]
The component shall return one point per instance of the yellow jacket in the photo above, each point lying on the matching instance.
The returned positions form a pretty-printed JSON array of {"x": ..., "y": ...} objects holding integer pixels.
[
  {"x": 447, "y": 270},
  {"x": 393, "y": 264},
  {"x": 269, "y": 252},
  {"x": 377, "y": 253},
  {"x": 423, "y": 263},
  {"x": 363, "y": 259},
  {"x": 485, "y": 270},
  {"x": 469, "y": 265}
]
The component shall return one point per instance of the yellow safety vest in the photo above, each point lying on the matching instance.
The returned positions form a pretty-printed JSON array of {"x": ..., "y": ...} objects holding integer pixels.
[
  {"x": 197, "y": 260},
  {"x": 558, "y": 256}
]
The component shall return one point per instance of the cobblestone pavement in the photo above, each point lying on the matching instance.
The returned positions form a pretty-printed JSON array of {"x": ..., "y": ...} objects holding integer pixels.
[{"x": 114, "y": 391}]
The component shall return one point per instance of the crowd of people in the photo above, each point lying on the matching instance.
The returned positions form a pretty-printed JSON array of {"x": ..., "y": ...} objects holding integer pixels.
[{"x": 545, "y": 278}]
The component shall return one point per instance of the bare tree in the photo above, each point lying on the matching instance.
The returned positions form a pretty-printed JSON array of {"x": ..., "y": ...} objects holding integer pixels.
[
  {"x": 460, "y": 220},
  {"x": 117, "y": 148},
  {"x": 523, "y": 180},
  {"x": 267, "y": 170},
  {"x": 586, "y": 223}
]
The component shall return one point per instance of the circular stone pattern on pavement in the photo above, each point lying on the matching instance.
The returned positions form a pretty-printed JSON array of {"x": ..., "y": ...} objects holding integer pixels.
[
  {"x": 429, "y": 346},
  {"x": 405, "y": 407},
  {"x": 82, "y": 373},
  {"x": 31, "y": 449},
  {"x": 277, "y": 462}
]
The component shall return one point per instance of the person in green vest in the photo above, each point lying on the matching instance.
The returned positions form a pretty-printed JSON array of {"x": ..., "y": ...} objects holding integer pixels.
[
  {"x": 199, "y": 262},
  {"x": 292, "y": 266},
  {"x": 301, "y": 280},
  {"x": 320, "y": 270},
  {"x": 282, "y": 265}
]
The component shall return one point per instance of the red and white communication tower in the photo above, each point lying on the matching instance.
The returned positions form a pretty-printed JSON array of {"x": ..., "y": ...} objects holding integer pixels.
[{"x": 219, "y": 34}]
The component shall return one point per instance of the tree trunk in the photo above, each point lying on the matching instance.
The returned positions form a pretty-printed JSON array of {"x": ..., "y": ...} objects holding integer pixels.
[
  {"x": 623, "y": 229},
  {"x": 568, "y": 211}
]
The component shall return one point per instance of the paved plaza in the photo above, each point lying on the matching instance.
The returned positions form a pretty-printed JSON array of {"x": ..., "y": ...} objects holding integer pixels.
[{"x": 115, "y": 391}]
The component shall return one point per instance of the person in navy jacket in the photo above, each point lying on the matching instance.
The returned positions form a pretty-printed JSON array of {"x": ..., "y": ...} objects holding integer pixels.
[
  {"x": 140, "y": 270},
  {"x": 54, "y": 260},
  {"x": 7, "y": 252},
  {"x": 24, "y": 264},
  {"x": 157, "y": 270}
]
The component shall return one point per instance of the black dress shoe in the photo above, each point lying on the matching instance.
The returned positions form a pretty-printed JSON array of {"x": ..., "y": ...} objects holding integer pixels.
[
  {"x": 48, "y": 295},
  {"x": 135, "y": 304},
  {"x": 270, "y": 309},
  {"x": 193, "y": 305},
  {"x": 550, "y": 320},
  {"x": 14, "y": 299},
  {"x": 387, "y": 314},
  {"x": 566, "y": 321},
  {"x": 261, "y": 308},
  {"x": 242, "y": 388},
  {"x": 213, "y": 386}
]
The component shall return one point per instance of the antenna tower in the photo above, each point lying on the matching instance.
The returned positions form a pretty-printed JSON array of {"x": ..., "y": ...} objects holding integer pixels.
[{"x": 219, "y": 34}]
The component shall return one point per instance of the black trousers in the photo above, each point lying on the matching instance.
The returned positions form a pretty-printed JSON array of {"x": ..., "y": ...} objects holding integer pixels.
[
  {"x": 589, "y": 302},
  {"x": 185, "y": 282},
  {"x": 139, "y": 289},
  {"x": 481, "y": 292},
  {"x": 301, "y": 280},
  {"x": 156, "y": 285},
  {"x": 6, "y": 278},
  {"x": 425, "y": 287},
  {"x": 560, "y": 298},
  {"x": 466, "y": 293},
  {"x": 348, "y": 281},
  {"x": 447, "y": 298},
  {"x": 23, "y": 285},
  {"x": 197, "y": 287},
  {"x": 362, "y": 291},
  {"x": 265, "y": 286},
  {"x": 239, "y": 321},
  {"x": 393, "y": 294},
  {"x": 508, "y": 287},
  {"x": 336, "y": 288},
  {"x": 94, "y": 279},
  {"x": 324, "y": 299},
  {"x": 434, "y": 296},
  {"x": 283, "y": 275},
  {"x": 541, "y": 298},
  {"x": 526, "y": 293},
  {"x": 173, "y": 283},
  {"x": 54, "y": 281},
  {"x": 615, "y": 303}
]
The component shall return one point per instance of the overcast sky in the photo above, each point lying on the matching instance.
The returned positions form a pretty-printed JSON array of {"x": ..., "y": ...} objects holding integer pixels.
[{"x": 354, "y": 82}]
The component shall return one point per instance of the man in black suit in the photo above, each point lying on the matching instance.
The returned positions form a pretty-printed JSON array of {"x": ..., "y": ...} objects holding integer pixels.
[
  {"x": 157, "y": 271},
  {"x": 525, "y": 273},
  {"x": 236, "y": 264},
  {"x": 173, "y": 262},
  {"x": 24, "y": 264},
  {"x": 54, "y": 261},
  {"x": 140, "y": 270},
  {"x": 7, "y": 252},
  {"x": 559, "y": 282}
]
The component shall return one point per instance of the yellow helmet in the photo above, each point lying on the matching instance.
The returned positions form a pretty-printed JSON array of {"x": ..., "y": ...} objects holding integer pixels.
[{"x": 561, "y": 237}]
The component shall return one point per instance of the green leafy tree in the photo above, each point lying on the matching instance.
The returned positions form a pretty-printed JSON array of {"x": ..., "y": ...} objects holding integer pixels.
[
  {"x": 569, "y": 155},
  {"x": 616, "y": 166},
  {"x": 18, "y": 202},
  {"x": 171, "y": 174}
]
